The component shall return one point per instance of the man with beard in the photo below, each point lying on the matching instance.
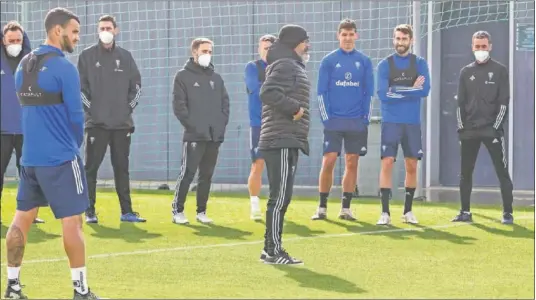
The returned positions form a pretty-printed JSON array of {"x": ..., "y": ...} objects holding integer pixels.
[
  {"x": 111, "y": 88},
  {"x": 48, "y": 88},
  {"x": 284, "y": 131},
  {"x": 254, "y": 78},
  {"x": 483, "y": 99},
  {"x": 15, "y": 45},
  {"x": 403, "y": 80},
  {"x": 201, "y": 103},
  {"x": 345, "y": 89}
]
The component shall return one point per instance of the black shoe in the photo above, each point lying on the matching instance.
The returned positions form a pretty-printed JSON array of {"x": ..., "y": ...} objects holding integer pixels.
[
  {"x": 88, "y": 296},
  {"x": 12, "y": 294},
  {"x": 38, "y": 221},
  {"x": 507, "y": 218},
  {"x": 463, "y": 216},
  {"x": 282, "y": 258}
]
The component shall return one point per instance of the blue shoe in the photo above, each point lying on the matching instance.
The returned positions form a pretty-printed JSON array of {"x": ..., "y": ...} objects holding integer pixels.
[
  {"x": 507, "y": 218},
  {"x": 132, "y": 217}
]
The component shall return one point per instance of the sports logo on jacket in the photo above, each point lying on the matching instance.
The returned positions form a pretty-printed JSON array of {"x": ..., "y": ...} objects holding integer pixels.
[
  {"x": 118, "y": 63},
  {"x": 348, "y": 81},
  {"x": 490, "y": 76},
  {"x": 212, "y": 84}
]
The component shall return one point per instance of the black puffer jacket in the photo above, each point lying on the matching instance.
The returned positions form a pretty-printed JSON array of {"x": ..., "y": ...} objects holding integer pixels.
[{"x": 285, "y": 90}]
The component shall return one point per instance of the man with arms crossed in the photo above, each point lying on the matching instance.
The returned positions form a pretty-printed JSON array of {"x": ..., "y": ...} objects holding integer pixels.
[
  {"x": 483, "y": 99},
  {"x": 255, "y": 76},
  {"x": 111, "y": 88},
  {"x": 403, "y": 80},
  {"x": 201, "y": 103},
  {"x": 345, "y": 88},
  {"x": 15, "y": 45},
  {"x": 284, "y": 131},
  {"x": 52, "y": 173}
]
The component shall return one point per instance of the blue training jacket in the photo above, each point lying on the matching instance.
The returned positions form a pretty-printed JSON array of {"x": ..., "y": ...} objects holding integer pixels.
[
  {"x": 53, "y": 134},
  {"x": 10, "y": 110},
  {"x": 345, "y": 88},
  {"x": 400, "y": 104},
  {"x": 254, "y": 86}
]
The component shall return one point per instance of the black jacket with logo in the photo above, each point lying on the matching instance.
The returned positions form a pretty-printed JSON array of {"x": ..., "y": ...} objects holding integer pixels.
[
  {"x": 201, "y": 103},
  {"x": 483, "y": 97},
  {"x": 284, "y": 91},
  {"x": 111, "y": 86}
]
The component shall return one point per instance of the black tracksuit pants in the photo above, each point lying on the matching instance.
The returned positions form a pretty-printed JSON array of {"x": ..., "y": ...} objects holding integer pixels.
[
  {"x": 281, "y": 168},
  {"x": 469, "y": 154},
  {"x": 97, "y": 141},
  {"x": 9, "y": 142},
  {"x": 201, "y": 156}
]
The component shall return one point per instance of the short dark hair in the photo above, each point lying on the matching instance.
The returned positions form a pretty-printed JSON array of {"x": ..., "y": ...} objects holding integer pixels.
[
  {"x": 347, "y": 24},
  {"x": 198, "y": 41},
  {"x": 481, "y": 34},
  {"x": 12, "y": 26},
  {"x": 59, "y": 16},
  {"x": 108, "y": 18},
  {"x": 405, "y": 29},
  {"x": 268, "y": 38}
]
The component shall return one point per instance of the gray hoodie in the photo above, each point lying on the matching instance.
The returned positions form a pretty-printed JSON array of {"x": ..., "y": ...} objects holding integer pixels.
[
  {"x": 201, "y": 103},
  {"x": 111, "y": 86}
]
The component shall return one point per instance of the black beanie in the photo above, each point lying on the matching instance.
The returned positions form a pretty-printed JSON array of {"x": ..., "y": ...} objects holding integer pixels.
[{"x": 292, "y": 35}]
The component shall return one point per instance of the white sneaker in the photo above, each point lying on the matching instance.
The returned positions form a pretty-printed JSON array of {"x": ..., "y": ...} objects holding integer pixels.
[
  {"x": 409, "y": 217},
  {"x": 180, "y": 218},
  {"x": 255, "y": 210},
  {"x": 320, "y": 214},
  {"x": 385, "y": 219},
  {"x": 202, "y": 217},
  {"x": 346, "y": 214}
]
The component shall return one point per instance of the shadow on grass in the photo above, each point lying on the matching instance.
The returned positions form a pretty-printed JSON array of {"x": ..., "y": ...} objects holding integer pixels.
[
  {"x": 213, "y": 230},
  {"x": 300, "y": 230},
  {"x": 398, "y": 233},
  {"x": 309, "y": 279},
  {"x": 129, "y": 232},
  {"x": 511, "y": 231},
  {"x": 36, "y": 235}
]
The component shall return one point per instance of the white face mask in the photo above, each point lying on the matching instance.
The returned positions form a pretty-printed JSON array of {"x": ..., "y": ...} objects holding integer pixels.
[
  {"x": 106, "y": 37},
  {"x": 204, "y": 60},
  {"x": 481, "y": 55},
  {"x": 14, "y": 49},
  {"x": 305, "y": 58}
]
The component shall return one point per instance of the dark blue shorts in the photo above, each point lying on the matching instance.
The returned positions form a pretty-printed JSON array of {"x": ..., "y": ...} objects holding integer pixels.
[
  {"x": 63, "y": 187},
  {"x": 355, "y": 142},
  {"x": 406, "y": 135},
  {"x": 254, "y": 135}
]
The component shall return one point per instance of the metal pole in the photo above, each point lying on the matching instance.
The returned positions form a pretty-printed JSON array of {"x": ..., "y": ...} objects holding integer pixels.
[
  {"x": 417, "y": 51},
  {"x": 430, "y": 59},
  {"x": 512, "y": 31}
]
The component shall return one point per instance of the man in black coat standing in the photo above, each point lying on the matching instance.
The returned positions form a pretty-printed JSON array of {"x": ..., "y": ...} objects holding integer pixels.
[
  {"x": 284, "y": 130},
  {"x": 201, "y": 103}
]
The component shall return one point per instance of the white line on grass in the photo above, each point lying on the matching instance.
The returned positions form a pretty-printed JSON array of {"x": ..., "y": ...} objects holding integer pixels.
[{"x": 333, "y": 235}]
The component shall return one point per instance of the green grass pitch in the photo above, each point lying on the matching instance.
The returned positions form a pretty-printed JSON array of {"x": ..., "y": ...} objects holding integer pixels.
[{"x": 158, "y": 259}]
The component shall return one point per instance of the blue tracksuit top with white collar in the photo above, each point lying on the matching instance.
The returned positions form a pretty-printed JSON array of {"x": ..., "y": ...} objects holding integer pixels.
[{"x": 345, "y": 87}]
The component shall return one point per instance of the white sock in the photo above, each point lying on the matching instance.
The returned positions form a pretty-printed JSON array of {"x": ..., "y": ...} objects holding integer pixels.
[
  {"x": 254, "y": 199},
  {"x": 13, "y": 274},
  {"x": 79, "y": 277}
]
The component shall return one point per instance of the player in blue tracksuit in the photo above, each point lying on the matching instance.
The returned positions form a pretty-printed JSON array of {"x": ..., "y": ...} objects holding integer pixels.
[
  {"x": 52, "y": 173},
  {"x": 15, "y": 45},
  {"x": 345, "y": 87},
  {"x": 254, "y": 77},
  {"x": 403, "y": 80}
]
